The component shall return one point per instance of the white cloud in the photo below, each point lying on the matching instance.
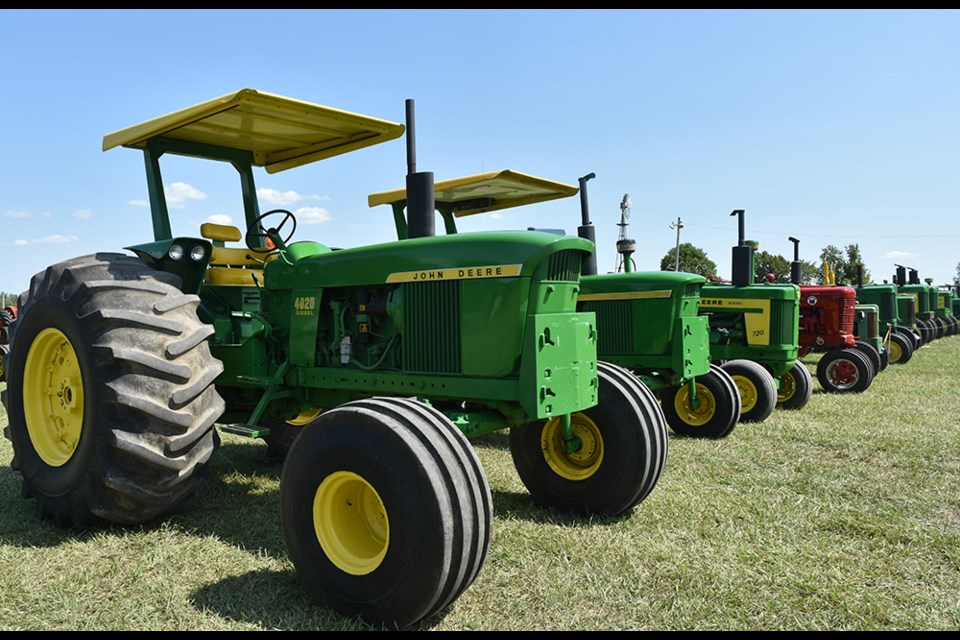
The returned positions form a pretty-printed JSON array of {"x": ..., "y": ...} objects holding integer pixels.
[
  {"x": 178, "y": 193},
  {"x": 56, "y": 239},
  {"x": 18, "y": 214},
  {"x": 83, "y": 214},
  {"x": 280, "y": 198},
  {"x": 313, "y": 215},
  {"x": 898, "y": 255},
  {"x": 138, "y": 203},
  {"x": 219, "y": 218},
  {"x": 496, "y": 216},
  {"x": 20, "y": 243}
]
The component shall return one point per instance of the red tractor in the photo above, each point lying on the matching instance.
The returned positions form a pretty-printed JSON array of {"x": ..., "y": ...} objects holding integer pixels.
[
  {"x": 7, "y": 316},
  {"x": 827, "y": 320}
]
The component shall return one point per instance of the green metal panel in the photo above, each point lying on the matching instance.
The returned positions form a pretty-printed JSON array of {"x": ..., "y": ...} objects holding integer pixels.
[
  {"x": 558, "y": 373},
  {"x": 492, "y": 325}
]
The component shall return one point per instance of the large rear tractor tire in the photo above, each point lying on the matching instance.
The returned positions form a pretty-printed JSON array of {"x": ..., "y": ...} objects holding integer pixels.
[
  {"x": 623, "y": 449},
  {"x": 713, "y": 414},
  {"x": 844, "y": 371},
  {"x": 900, "y": 348},
  {"x": 386, "y": 510},
  {"x": 109, "y": 392},
  {"x": 796, "y": 387},
  {"x": 758, "y": 389}
]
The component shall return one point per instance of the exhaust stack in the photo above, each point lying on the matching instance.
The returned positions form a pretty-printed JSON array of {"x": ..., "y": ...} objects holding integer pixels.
[
  {"x": 421, "y": 213},
  {"x": 796, "y": 267},
  {"x": 586, "y": 229},
  {"x": 742, "y": 256}
]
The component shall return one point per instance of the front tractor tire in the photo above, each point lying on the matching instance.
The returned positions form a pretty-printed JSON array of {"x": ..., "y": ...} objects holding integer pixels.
[
  {"x": 900, "y": 348},
  {"x": 796, "y": 387},
  {"x": 844, "y": 371},
  {"x": 386, "y": 510},
  {"x": 109, "y": 393},
  {"x": 758, "y": 389},
  {"x": 623, "y": 448},
  {"x": 712, "y": 414}
]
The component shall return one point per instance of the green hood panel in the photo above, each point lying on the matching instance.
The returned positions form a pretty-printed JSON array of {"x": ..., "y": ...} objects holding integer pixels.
[
  {"x": 457, "y": 257},
  {"x": 651, "y": 283}
]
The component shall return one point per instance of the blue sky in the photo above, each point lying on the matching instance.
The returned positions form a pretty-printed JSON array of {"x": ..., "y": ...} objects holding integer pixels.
[{"x": 833, "y": 126}]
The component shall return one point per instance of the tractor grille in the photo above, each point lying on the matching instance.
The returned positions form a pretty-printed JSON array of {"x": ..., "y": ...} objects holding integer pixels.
[
  {"x": 888, "y": 306},
  {"x": 911, "y": 312},
  {"x": 848, "y": 307},
  {"x": 564, "y": 266},
  {"x": 782, "y": 327},
  {"x": 872, "y": 324},
  {"x": 431, "y": 327},
  {"x": 614, "y": 326}
]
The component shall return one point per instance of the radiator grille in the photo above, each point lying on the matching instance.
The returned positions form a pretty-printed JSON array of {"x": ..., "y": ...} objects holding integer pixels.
[
  {"x": 564, "y": 266},
  {"x": 614, "y": 325},
  {"x": 431, "y": 327}
]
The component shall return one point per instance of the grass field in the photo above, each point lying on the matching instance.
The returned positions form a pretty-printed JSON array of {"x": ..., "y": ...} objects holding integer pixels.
[{"x": 844, "y": 515}]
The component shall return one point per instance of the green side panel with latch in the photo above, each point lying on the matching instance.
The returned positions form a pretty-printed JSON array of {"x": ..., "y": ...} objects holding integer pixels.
[{"x": 558, "y": 372}]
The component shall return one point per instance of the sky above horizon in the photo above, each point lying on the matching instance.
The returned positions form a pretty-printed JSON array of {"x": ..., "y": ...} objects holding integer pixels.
[{"x": 836, "y": 127}]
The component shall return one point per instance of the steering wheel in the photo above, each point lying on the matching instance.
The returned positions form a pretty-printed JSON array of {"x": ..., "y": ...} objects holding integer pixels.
[{"x": 253, "y": 235}]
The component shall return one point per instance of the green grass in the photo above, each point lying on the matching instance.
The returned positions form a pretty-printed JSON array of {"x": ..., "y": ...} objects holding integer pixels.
[{"x": 844, "y": 515}]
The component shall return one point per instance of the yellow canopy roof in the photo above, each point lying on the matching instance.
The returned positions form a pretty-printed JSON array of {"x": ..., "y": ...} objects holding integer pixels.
[
  {"x": 280, "y": 132},
  {"x": 485, "y": 192}
]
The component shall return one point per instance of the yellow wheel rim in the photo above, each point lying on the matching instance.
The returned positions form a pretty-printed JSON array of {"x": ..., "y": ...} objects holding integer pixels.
[
  {"x": 895, "y": 351},
  {"x": 53, "y": 397},
  {"x": 306, "y": 417},
  {"x": 351, "y": 523},
  {"x": 700, "y": 416},
  {"x": 581, "y": 464},
  {"x": 788, "y": 387},
  {"x": 748, "y": 393}
]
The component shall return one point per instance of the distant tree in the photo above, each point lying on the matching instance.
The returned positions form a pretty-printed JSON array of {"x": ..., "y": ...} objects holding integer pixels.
[
  {"x": 764, "y": 263},
  {"x": 7, "y": 299},
  {"x": 843, "y": 263},
  {"x": 692, "y": 260},
  {"x": 956, "y": 278},
  {"x": 809, "y": 272}
]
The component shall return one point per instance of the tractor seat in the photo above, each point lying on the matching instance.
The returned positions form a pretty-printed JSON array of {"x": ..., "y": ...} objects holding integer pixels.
[{"x": 230, "y": 266}]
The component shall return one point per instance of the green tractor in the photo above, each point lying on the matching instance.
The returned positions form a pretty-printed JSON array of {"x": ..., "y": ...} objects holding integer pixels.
[
  {"x": 943, "y": 300},
  {"x": 391, "y": 355},
  {"x": 898, "y": 339},
  {"x": 647, "y": 322},
  {"x": 930, "y": 328},
  {"x": 754, "y": 332},
  {"x": 950, "y": 299}
]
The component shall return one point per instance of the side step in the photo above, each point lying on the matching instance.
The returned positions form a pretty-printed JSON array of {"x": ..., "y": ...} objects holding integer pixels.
[{"x": 245, "y": 430}]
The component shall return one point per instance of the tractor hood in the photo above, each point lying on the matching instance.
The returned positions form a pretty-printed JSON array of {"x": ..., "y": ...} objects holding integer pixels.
[
  {"x": 455, "y": 257},
  {"x": 637, "y": 284}
]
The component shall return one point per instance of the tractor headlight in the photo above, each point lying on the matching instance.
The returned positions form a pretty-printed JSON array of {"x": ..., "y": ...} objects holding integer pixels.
[
  {"x": 175, "y": 252},
  {"x": 197, "y": 252}
]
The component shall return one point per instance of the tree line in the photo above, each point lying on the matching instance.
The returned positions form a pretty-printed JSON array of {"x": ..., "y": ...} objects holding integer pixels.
[{"x": 842, "y": 262}]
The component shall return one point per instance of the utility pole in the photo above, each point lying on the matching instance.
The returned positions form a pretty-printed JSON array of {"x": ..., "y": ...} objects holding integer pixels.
[{"x": 677, "y": 225}]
